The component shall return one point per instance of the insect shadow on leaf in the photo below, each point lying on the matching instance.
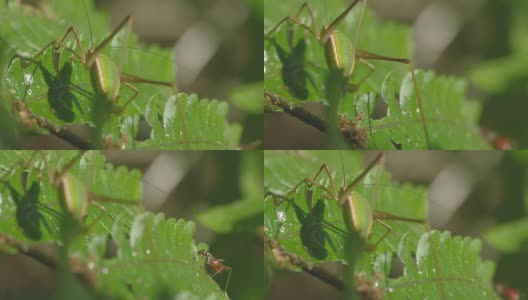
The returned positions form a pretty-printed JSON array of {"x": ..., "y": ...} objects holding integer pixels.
[
  {"x": 294, "y": 74},
  {"x": 313, "y": 236},
  {"x": 60, "y": 96},
  {"x": 314, "y": 231},
  {"x": 29, "y": 211},
  {"x": 27, "y": 214}
]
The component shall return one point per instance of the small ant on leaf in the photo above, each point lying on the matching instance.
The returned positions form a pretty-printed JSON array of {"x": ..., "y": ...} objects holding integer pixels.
[{"x": 216, "y": 264}]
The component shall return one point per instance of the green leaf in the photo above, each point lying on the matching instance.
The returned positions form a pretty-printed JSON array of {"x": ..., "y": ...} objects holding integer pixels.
[
  {"x": 451, "y": 119},
  {"x": 155, "y": 257},
  {"x": 225, "y": 218},
  {"x": 35, "y": 200},
  {"x": 7, "y": 125},
  {"x": 190, "y": 123},
  {"x": 297, "y": 75},
  {"x": 443, "y": 268},
  {"x": 159, "y": 258},
  {"x": 313, "y": 228},
  {"x": 383, "y": 38},
  {"x": 67, "y": 86},
  {"x": 57, "y": 87}
]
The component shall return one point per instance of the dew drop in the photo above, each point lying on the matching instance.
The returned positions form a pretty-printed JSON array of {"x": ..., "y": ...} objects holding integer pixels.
[
  {"x": 28, "y": 78},
  {"x": 148, "y": 251},
  {"x": 91, "y": 265},
  {"x": 281, "y": 216}
]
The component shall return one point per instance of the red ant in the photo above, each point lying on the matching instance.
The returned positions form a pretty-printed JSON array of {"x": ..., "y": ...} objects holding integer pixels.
[{"x": 216, "y": 264}]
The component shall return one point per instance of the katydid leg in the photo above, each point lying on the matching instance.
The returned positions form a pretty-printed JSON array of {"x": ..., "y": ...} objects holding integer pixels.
[{"x": 369, "y": 55}]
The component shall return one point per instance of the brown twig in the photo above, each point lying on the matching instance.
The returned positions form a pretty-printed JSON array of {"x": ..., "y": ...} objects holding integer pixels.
[
  {"x": 351, "y": 133},
  {"x": 296, "y": 110},
  {"x": 48, "y": 255},
  {"x": 30, "y": 120},
  {"x": 282, "y": 255}
]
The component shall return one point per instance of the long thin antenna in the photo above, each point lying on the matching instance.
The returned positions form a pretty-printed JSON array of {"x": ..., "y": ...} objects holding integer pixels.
[{"x": 89, "y": 24}]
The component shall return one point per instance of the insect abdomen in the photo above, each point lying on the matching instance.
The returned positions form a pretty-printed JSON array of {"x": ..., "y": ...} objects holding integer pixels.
[
  {"x": 339, "y": 53},
  {"x": 104, "y": 74}
]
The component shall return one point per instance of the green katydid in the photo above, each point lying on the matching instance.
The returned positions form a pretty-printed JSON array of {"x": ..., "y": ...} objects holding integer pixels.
[
  {"x": 357, "y": 211},
  {"x": 341, "y": 53},
  {"x": 69, "y": 189},
  {"x": 105, "y": 75}
]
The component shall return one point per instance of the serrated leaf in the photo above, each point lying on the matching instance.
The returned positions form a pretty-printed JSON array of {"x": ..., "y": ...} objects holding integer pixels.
[
  {"x": 296, "y": 75},
  {"x": 67, "y": 85},
  {"x": 451, "y": 119},
  {"x": 388, "y": 39},
  {"x": 188, "y": 122},
  {"x": 444, "y": 267},
  {"x": 158, "y": 259},
  {"x": 59, "y": 89},
  {"x": 29, "y": 194},
  {"x": 313, "y": 227}
]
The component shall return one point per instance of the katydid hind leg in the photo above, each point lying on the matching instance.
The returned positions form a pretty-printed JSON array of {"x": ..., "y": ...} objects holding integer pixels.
[
  {"x": 353, "y": 87},
  {"x": 386, "y": 216},
  {"x": 384, "y": 236},
  {"x": 119, "y": 109},
  {"x": 333, "y": 25},
  {"x": 133, "y": 78},
  {"x": 360, "y": 54},
  {"x": 346, "y": 191},
  {"x": 93, "y": 54},
  {"x": 60, "y": 173}
]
